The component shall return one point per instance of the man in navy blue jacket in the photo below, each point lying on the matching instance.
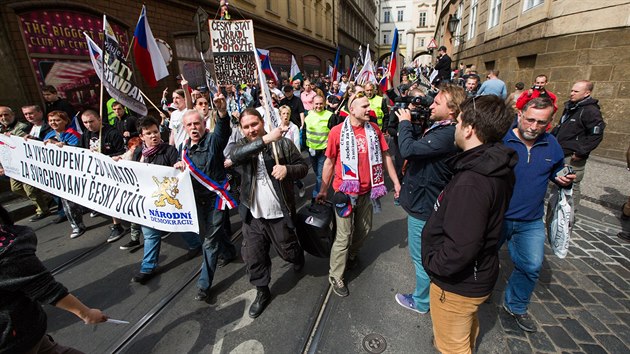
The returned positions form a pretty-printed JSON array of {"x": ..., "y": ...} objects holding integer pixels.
[{"x": 540, "y": 159}]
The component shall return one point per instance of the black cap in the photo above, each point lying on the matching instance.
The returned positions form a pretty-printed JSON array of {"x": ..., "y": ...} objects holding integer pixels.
[{"x": 442, "y": 48}]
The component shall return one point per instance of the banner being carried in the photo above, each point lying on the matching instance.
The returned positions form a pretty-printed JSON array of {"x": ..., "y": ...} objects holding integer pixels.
[
  {"x": 234, "y": 51},
  {"x": 159, "y": 197},
  {"x": 115, "y": 75}
]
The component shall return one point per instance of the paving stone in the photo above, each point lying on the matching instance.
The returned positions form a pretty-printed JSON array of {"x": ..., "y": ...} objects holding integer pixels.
[
  {"x": 583, "y": 296},
  {"x": 543, "y": 294},
  {"x": 620, "y": 271},
  {"x": 601, "y": 257},
  {"x": 560, "y": 337},
  {"x": 602, "y": 314},
  {"x": 578, "y": 332},
  {"x": 563, "y": 278},
  {"x": 540, "y": 341},
  {"x": 588, "y": 236},
  {"x": 623, "y": 261},
  {"x": 612, "y": 343},
  {"x": 563, "y": 295},
  {"x": 623, "y": 250},
  {"x": 625, "y": 303},
  {"x": 605, "y": 248},
  {"x": 622, "y": 332},
  {"x": 595, "y": 264},
  {"x": 617, "y": 281},
  {"x": 606, "y": 286},
  {"x": 518, "y": 346},
  {"x": 581, "y": 266},
  {"x": 593, "y": 349},
  {"x": 608, "y": 302},
  {"x": 585, "y": 245},
  {"x": 556, "y": 308},
  {"x": 625, "y": 317},
  {"x": 577, "y": 252},
  {"x": 540, "y": 313},
  {"x": 587, "y": 319}
]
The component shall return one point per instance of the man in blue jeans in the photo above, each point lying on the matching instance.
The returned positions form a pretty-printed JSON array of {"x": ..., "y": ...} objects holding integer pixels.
[
  {"x": 427, "y": 173},
  {"x": 155, "y": 151},
  {"x": 540, "y": 160},
  {"x": 203, "y": 154}
]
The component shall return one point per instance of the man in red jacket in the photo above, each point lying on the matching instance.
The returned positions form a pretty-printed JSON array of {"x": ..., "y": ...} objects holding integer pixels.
[{"x": 537, "y": 90}]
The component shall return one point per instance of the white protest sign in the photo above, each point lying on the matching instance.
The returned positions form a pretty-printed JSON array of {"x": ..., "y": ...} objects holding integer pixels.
[
  {"x": 159, "y": 197},
  {"x": 233, "y": 50}
]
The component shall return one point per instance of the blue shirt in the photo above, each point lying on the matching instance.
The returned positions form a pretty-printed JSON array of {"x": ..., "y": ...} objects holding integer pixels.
[
  {"x": 535, "y": 168},
  {"x": 66, "y": 137},
  {"x": 493, "y": 87}
]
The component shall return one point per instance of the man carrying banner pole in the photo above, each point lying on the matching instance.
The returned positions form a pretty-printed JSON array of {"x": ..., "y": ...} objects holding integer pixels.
[{"x": 203, "y": 155}]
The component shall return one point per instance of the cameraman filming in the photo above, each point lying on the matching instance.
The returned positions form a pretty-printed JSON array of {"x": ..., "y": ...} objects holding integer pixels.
[
  {"x": 537, "y": 90},
  {"x": 426, "y": 175},
  {"x": 418, "y": 105}
]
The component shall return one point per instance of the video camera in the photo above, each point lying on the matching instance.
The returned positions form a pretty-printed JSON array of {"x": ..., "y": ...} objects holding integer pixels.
[{"x": 421, "y": 111}]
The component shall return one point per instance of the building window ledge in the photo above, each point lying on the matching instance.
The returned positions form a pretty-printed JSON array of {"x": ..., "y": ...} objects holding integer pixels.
[{"x": 273, "y": 13}]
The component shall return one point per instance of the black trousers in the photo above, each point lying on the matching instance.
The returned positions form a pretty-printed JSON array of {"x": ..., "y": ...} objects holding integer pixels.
[{"x": 258, "y": 236}]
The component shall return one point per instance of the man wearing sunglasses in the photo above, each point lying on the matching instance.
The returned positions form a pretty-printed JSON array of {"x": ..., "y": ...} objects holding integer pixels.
[{"x": 540, "y": 158}]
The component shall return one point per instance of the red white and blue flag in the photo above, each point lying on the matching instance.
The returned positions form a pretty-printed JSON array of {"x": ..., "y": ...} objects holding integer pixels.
[
  {"x": 335, "y": 68},
  {"x": 149, "y": 60},
  {"x": 224, "y": 200},
  {"x": 391, "y": 68},
  {"x": 265, "y": 64}
]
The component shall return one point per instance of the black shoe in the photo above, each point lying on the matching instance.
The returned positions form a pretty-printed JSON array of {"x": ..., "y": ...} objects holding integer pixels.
[
  {"x": 202, "y": 295},
  {"x": 142, "y": 277},
  {"x": 131, "y": 244},
  {"x": 299, "y": 264},
  {"x": 117, "y": 231},
  {"x": 38, "y": 217},
  {"x": 193, "y": 253},
  {"x": 222, "y": 262},
  {"x": 523, "y": 321},
  {"x": 60, "y": 219},
  {"x": 624, "y": 236},
  {"x": 262, "y": 300},
  {"x": 339, "y": 287}
]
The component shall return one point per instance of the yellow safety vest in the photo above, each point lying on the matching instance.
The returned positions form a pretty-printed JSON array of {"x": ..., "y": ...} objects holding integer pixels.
[
  {"x": 376, "y": 103},
  {"x": 317, "y": 129}
]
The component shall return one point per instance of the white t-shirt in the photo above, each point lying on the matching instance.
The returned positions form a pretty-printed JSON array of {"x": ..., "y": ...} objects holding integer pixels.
[
  {"x": 265, "y": 203},
  {"x": 176, "y": 125},
  {"x": 35, "y": 130},
  {"x": 293, "y": 134}
]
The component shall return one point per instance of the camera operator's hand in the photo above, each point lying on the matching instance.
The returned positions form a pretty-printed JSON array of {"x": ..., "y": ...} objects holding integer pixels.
[{"x": 403, "y": 114}]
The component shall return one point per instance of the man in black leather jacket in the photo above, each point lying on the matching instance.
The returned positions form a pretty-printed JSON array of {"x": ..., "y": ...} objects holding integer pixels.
[{"x": 267, "y": 201}]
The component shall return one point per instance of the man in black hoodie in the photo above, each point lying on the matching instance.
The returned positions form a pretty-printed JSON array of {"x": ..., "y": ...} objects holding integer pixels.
[
  {"x": 459, "y": 241},
  {"x": 579, "y": 131}
]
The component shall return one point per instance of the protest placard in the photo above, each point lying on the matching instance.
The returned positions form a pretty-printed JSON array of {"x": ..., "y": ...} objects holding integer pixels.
[
  {"x": 159, "y": 197},
  {"x": 233, "y": 49}
]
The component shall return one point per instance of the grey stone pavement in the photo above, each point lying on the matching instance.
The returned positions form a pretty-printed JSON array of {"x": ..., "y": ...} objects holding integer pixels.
[{"x": 581, "y": 303}]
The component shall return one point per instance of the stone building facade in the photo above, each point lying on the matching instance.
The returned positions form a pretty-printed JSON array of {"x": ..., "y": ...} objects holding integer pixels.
[
  {"x": 357, "y": 27},
  {"x": 565, "y": 39},
  {"x": 41, "y": 41}
]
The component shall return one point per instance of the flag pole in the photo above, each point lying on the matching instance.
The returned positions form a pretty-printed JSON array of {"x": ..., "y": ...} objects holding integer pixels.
[{"x": 100, "y": 131}]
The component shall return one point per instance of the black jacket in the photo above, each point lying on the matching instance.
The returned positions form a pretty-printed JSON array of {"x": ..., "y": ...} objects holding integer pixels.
[
  {"x": 127, "y": 123},
  {"x": 427, "y": 172},
  {"x": 582, "y": 129},
  {"x": 245, "y": 154},
  {"x": 443, "y": 67},
  {"x": 111, "y": 143},
  {"x": 25, "y": 283},
  {"x": 459, "y": 241},
  {"x": 208, "y": 156},
  {"x": 167, "y": 155}
]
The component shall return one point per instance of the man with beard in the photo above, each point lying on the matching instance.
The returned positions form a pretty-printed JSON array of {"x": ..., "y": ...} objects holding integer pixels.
[{"x": 540, "y": 158}]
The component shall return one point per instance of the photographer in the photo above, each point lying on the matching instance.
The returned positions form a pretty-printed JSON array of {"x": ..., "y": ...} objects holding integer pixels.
[
  {"x": 537, "y": 90},
  {"x": 418, "y": 105},
  {"x": 426, "y": 175}
]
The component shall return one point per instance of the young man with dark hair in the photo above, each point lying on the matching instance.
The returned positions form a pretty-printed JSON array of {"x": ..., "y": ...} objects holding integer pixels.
[
  {"x": 56, "y": 103},
  {"x": 459, "y": 241}
]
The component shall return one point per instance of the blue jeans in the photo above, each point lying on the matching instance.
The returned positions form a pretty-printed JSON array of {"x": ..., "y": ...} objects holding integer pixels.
[
  {"x": 317, "y": 162},
  {"x": 414, "y": 233},
  {"x": 526, "y": 244},
  {"x": 215, "y": 241},
  {"x": 152, "y": 243}
]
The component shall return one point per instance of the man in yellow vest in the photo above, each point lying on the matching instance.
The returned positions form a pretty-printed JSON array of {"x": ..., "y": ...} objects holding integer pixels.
[
  {"x": 377, "y": 104},
  {"x": 317, "y": 138}
]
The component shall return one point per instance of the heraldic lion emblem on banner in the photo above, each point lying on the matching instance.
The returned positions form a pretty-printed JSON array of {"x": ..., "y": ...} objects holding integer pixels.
[{"x": 167, "y": 191}]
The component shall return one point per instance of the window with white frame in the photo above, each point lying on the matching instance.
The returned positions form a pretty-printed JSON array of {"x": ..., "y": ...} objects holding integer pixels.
[
  {"x": 494, "y": 13},
  {"x": 528, "y": 4},
  {"x": 472, "y": 20},
  {"x": 401, "y": 15},
  {"x": 386, "y": 16},
  {"x": 421, "y": 42},
  {"x": 423, "y": 19},
  {"x": 386, "y": 37},
  {"x": 458, "y": 30}
]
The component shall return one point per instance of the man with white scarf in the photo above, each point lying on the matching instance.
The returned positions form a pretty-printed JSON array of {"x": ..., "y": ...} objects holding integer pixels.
[{"x": 358, "y": 155}]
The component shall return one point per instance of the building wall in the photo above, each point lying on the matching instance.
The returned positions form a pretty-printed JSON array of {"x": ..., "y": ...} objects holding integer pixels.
[
  {"x": 357, "y": 27},
  {"x": 566, "y": 40},
  {"x": 302, "y": 33}
]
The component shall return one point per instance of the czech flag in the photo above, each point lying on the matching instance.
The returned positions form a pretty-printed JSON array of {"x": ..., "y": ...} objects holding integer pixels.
[
  {"x": 391, "y": 68},
  {"x": 265, "y": 64},
  {"x": 149, "y": 60},
  {"x": 335, "y": 68},
  {"x": 75, "y": 128}
]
